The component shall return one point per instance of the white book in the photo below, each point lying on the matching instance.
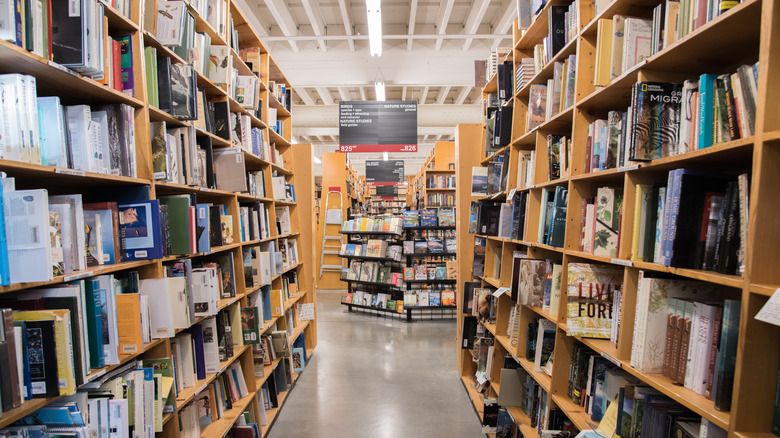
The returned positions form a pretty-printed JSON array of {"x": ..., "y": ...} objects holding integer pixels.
[
  {"x": 118, "y": 417},
  {"x": 160, "y": 305},
  {"x": 79, "y": 117},
  {"x": 264, "y": 260},
  {"x": 31, "y": 107},
  {"x": 101, "y": 153},
  {"x": 210, "y": 347},
  {"x": 637, "y": 42},
  {"x": 238, "y": 375},
  {"x": 221, "y": 65},
  {"x": 202, "y": 292},
  {"x": 53, "y": 139},
  {"x": 27, "y": 232},
  {"x": 78, "y": 252},
  {"x": 15, "y": 123},
  {"x": 618, "y": 28},
  {"x": 8, "y": 20},
  {"x": 186, "y": 360},
  {"x": 170, "y": 22},
  {"x": 278, "y": 184}
]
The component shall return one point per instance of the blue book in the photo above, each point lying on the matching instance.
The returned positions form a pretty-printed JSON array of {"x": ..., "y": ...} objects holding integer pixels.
[
  {"x": 265, "y": 294},
  {"x": 300, "y": 342},
  {"x": 196, "y": 331},
  {"x": 95, "y": 302},
  {"x": 706, "y": 100},
  {"x": 202, "y": 227},
  {"x": 5, "y": 270},
  {"x": 665, "y": 249},
  {"x": 140, "y": 230}
]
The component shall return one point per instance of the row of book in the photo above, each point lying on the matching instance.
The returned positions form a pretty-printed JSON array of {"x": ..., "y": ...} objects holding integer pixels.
[
  {"x": 423, "y": 271},
  {"x": 429, "y": 298},
  {"x": 378, "y": 301},
  {"x": 372, "y": 272},
  {"x": 282, "y": 94},
  {"x": 372, "y": 248},
  {"x": 498, "y": 124},
  {"x": 703, "y": 363},
  {"x": 392, "y": 204},
  {"x": 552, "y": 216},
  {"x": 390, "y": 224},
  {"x": 667, "y": 119},
  {"x": 600, "y": 222},
  {"x": 505, "y": 220},
  {"x": 97, "y": 139},
  {"x": 429, "y": 217},
  {"x": 439, "y": 200},
  {"x": 547, "y": 100},
  {"x": 74, "y": 36},
  {"x": 440, "y": 182},
  {"x": 432, "y": 245}
]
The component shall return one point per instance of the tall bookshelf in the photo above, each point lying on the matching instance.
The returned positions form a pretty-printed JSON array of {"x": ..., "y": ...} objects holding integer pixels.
[
  {"x": 435, "y": 177},
  {"x": 72, "y": 88},
  {"x": 719, "y": 46}
]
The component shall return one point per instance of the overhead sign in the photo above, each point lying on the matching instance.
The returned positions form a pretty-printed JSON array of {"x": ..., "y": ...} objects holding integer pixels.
[
  {"x": 387, "y": 192},
  {"x": 384, "y": 173},
  {"x": 384, "y": 126}
]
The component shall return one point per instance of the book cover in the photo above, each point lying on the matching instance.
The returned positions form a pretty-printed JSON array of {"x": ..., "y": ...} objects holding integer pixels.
[
  {"x": 250, "y": 325},
  {"x": 590, "y": 291},
  {"x": 656, "y": 119},
  {"x": 479, "y": 181},
  {"x": 537, "y": 106},
  {"x": 609, "y": 202},
  {"x": 139, "y": 230}
]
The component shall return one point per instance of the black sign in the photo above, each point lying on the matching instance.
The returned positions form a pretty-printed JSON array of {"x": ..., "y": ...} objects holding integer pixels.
[
  {"x": 385, "y": 126},
  {"x": 384, "y": 173},
  {"x": 386, "y": 191}
]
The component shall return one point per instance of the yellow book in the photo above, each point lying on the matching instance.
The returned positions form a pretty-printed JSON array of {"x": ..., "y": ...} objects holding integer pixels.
[
  {"x": 128, "y": 318},
  {"x": 63, "y": 340},
  {"x": 235, "y": 324},
  {"x": 564, "y": 82},
  {"x": 399, "y": 306},
  {"x": 603, "y": 52}
]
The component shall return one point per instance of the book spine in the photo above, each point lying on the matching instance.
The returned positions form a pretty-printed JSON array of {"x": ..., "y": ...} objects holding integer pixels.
[
  {"x": 713, "y": 352},
  {"x": 685, "y": 338},
  {"x": 706, "y": 102}
]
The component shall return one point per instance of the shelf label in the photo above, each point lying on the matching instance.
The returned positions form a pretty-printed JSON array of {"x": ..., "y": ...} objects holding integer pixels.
[
  {"x": 628, "y": 168},
  {"x": 611, "y": 359},
  {"x": 620, "y": 262},
  {"x": 205, "y": 189},
  {"x": 73, "y": 172},
  {"x": 79, "y": 276}
]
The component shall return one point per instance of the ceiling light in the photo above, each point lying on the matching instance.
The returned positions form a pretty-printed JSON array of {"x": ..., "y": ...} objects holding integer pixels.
[
  {"x": 379, "y": 87},
  {"x": 316, "y": 160},
  {"x": 374, "y": 9},
  {"x": 384, "y": 156}
]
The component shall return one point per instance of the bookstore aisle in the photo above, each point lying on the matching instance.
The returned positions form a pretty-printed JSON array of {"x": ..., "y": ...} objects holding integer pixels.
[{"x": 380, "y": 375}]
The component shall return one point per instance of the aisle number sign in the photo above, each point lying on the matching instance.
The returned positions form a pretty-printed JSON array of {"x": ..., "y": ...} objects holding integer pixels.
[{"x": 386, "y": 126}]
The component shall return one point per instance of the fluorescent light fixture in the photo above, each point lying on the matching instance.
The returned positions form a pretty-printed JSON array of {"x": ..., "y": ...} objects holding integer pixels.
[
  {"x": 374, "y": 10},
  {"x": 384, "y": 156},
  {"x": 379, "y": 87}
]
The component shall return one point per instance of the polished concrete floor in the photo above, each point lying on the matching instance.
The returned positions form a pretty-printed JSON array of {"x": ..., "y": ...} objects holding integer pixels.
[{"x": 378, "y": 377}]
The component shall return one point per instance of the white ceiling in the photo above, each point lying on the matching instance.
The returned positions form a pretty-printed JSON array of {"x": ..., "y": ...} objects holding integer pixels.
[{"x": 429, "y": 49}]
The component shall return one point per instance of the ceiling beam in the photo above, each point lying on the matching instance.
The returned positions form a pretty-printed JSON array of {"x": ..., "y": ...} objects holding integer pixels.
[
  {"x": 344, "y": 93},
  {"x": 441, "y": 23},
  {"x": 287, "y": 24},
  {"x": 304, "y": 95},
  {"x": 347, "y": 23},
  {"x": 474, "y": 19},
  {"x": 254, "y": 22},
  {"x": 424, "y": 95},
  {"x": 316, "y": 21},
  {"x": 410, "y": 27},
  {"x": 443, "y": 92},
  {"x": 504, "y": 24},
  {"x": 464, "y": 93},
  {"x": 325, "y": 95}
]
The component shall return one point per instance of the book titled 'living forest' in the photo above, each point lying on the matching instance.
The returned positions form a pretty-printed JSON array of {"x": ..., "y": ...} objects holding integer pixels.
[{"x": 591, "y": 290}]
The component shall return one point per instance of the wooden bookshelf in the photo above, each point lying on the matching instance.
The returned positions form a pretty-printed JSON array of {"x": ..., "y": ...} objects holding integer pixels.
[
  {"x": 719, "y": 46},
  {"x": 73, "y": 88}
]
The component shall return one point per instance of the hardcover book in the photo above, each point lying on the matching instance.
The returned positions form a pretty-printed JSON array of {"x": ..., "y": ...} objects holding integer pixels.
[{"x": 589, "y": 307}]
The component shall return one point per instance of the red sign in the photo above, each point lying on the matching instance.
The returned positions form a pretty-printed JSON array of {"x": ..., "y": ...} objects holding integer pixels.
[{"x": 351, "y": 148}]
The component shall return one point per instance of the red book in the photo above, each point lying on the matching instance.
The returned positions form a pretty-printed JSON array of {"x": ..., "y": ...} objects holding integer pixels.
[{"x": 116, "y": 59}]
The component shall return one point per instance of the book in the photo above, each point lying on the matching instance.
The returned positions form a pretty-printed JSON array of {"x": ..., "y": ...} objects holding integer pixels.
[{"x": 590, "y": 291}]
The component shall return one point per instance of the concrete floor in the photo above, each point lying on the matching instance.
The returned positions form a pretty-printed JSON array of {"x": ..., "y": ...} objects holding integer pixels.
[{"x": 378, "y": 377}]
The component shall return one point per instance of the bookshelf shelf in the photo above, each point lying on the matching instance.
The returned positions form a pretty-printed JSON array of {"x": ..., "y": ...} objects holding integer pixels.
[
  {"x": 441, "y": 281},
  {"x": 372, "y": 283},
  {"x": 433, "y": 189},
  {"x": 575, "y": 412},
  {"x": 524, "y": 421},
  {"x": 221, "y": 427},
  {"x": 490, "y": 157},
  {"x": 73, "y": 88},
  {"x": 440, "y": 227},
  {"x": 492, "y": 281},
  {"x": 543, "y": 379},
  {"x": 376, "y": 259},
  {"x": 53, "y": 79},
  {"x": 763, "y": 289},
  {"x": 430, "y": 254},
  {"x": 370, "y": 233}
]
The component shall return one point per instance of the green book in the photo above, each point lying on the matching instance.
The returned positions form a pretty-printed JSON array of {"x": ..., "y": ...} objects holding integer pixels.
[{"x": 179, "y": 220}]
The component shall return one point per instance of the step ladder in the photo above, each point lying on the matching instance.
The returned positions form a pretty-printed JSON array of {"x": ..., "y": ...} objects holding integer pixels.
[{"x": 331, "y": 245}]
